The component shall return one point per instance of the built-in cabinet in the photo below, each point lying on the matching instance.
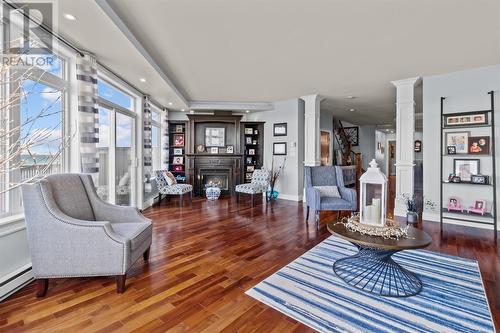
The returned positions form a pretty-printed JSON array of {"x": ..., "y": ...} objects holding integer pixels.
[
  {"x": 177, "y": 149},
  {"x": 252, "y": 141}
]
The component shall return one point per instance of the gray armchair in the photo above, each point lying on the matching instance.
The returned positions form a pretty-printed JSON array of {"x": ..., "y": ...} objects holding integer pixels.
[
  {"x": 73, "y": 233},
  {"x": 327, "y": 176}
]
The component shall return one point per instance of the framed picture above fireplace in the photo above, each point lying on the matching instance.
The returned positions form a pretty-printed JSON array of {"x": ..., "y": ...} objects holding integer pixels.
[{"x": 215, "y": 137}]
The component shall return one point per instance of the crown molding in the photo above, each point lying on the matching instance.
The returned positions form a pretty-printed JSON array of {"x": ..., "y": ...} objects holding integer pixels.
[{"x": 224, "y": 105}]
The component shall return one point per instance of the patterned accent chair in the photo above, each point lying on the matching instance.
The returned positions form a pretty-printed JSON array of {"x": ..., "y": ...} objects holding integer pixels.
[
  {"x": 174, "y": 189},
  {"x": 73, "y": 233},
  {"x": 327, "y": 176},
  {"x": 258, "y": 185}
]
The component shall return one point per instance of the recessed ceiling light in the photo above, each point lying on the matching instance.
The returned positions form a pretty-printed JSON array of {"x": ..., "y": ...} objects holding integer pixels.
[
  {"x": 142, "y": 79},
  {"x": 350, "y": 97},
  {"x": 170, "y": 103},
  {"x": 69, "y": 17},
  {"x": 183, "y": 110},
  {"x": 191, "y": 111},
  {"x": 352, "y": 110},
  {"x": 247, "y": 111}
]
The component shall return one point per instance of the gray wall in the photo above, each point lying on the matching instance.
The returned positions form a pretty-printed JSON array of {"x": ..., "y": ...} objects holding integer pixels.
[
  {"x": 464, "y": 91},
  {"x": 290, "y": 111}
]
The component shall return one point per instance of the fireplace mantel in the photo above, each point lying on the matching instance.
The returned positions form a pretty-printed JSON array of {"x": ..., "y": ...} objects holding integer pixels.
[{"x": 198, "y": 164}]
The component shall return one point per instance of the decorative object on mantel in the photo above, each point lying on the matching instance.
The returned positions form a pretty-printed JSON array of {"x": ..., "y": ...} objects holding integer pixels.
[
  {"x": 373, "y": 196},
  {"x": 454, "y": 204},
  {"x": 479, "y": 207},
  {"x": 272, "y": 194},
  {"x": 200, "y": 148},
  {"x": 417, "y": 147},
  {"x": 280, "y": 129},
  {"x": 212, "y": 192},
  {"x": 214, "y": 150},
  {"x": 390, "y": 230},
  {"x": 230, "y": 150}
]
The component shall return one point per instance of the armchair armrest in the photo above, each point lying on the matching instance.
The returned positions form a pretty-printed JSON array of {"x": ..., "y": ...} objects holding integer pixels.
[
  {"x": 313, "y": 198},
  {"x": 349, "y": 194}
]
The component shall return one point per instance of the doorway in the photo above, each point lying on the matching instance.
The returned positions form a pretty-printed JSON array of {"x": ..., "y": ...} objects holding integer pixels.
[
  {"x": 392, "y": 158},
  {"x": 325, "y": 148}
]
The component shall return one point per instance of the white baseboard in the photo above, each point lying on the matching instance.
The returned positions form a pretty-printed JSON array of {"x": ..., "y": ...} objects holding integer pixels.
[
  {"x": 430, "y": 216},
  {"x": 15, "y": 281},
  {"x": 290, "y": 197}
]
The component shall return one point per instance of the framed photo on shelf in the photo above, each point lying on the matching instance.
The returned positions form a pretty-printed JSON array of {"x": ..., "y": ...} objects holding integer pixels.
[
  {"x": 479, "y": 207},
  {"x": 279, "y": 148},
  {"x": 200, "y": 148},
  {"x": 254, "y": 142},
  {"x": 178, "y": 168},
  {"x": 479, "y": 179},
  {"x": 469, "y": 119},
  {"x": 248, "y": 140},
  {"x": 249, "y": 160},
  {"x": 465, "y": 168},
  {"x": 452, "y": 150},
  {"x": 248, "y": 130},
  {"x": 178, "y": 160},
  {"x": 179, "y": 129},
  {"x": 479, "y": 145},
  {"x": 255, "y": 132},
  {"x": 458, "y": 139},
  {"x": 214, "y": 150},
  {"x": 251, "y": 151},
  {"x": 177, "y": 151},
  {"x": 454, "y": 204},
  {"x": 215, "y": 137},
  {"x": 248, "y": 176},
  {"x": 280, "y": 129},
  {"x": 250, "y": 168},
  {"x": 230, "y": 150},
  {"x": 178, "y": 140}
]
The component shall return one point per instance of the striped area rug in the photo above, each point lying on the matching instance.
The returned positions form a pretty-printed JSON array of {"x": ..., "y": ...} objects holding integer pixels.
[{"x": 307, "y": 289}]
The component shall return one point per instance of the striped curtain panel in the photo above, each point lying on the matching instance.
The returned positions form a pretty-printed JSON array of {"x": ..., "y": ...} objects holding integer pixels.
[
  {"x": 88, "y": 114},
  {"x": 166, "y": 140},
  {"x": 147, "y": 152}
]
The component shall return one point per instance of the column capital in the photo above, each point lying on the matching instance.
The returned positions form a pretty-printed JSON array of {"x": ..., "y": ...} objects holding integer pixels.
[
  {"x": 411, "y": 81},
  {"x": 311, "y": 98}
]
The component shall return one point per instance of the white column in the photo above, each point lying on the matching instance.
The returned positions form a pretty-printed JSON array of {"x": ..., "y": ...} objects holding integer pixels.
[
  {"x": 312, "y": 152},
  {"x": 405, "y": 129}
]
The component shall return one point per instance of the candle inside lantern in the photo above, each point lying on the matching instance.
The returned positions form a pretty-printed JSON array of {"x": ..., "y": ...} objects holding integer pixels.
[{"x": 375, "y": 210}]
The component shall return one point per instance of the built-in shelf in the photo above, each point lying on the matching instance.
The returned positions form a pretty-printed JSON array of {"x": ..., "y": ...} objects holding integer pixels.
[
  {"x": 466, "y": 183},
  {"x": 465, "y": 213}
]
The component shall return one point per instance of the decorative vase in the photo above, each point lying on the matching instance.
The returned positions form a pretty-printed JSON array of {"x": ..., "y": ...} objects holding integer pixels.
[
  {"x": 212, "y": 193},
  {"x": 411, "y": 217},
  {"x": 272, "y": 195}
]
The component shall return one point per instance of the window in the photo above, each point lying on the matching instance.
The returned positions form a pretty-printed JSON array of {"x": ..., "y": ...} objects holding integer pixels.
[
  {"x": 34, "y": 139},
  {"x": 117, "y": 144},
  {"x": 115, "y": 95}
]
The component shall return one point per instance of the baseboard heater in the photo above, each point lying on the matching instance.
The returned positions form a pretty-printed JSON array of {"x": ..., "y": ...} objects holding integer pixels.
[{"x": 15, "y": 281}]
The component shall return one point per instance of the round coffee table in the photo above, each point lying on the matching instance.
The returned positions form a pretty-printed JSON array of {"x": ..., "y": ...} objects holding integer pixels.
[{"x": 372, "y": 269}]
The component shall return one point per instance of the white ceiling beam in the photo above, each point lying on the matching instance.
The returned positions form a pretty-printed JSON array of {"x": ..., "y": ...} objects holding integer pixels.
[
  {"x": 108, "y": 10},
  {"x": 243, "y": 106}
]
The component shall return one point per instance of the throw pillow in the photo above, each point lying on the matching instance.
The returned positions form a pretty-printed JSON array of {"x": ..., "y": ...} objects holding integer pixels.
[
  {"x": 328, "y": 191},
  {"x": 169, "y": 178}
]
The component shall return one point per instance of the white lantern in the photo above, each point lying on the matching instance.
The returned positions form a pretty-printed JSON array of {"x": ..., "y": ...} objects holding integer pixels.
[{"x": 373, "y": 196}]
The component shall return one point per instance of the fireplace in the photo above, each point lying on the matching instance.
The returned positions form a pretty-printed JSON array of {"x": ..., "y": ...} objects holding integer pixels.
[
  {"x": 214, "y": 177},
  {"x": 221, "y": 169}
]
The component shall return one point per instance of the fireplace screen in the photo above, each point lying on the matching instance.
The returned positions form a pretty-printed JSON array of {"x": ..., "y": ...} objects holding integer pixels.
[{"x": 219, "y": 180}]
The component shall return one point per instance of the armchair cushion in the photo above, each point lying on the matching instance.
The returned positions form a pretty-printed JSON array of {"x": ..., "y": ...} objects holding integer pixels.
[
  {"x": 138, "y": 233},
  {"x": 176, "y": 189},
  {"x": 70, "y": 196},
  {"x": 328, "y": 191},
  {"x": 323, "y": 176},
  {"x": 250, "y": 188},
  {"x": 334, "y": 204}
]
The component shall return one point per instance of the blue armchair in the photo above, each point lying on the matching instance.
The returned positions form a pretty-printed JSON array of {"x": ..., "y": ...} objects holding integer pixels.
[{"x": 319, "y": 196}]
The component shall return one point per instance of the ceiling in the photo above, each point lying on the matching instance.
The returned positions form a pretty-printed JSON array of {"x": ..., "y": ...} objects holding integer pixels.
[{"x": 264, "y": 51}]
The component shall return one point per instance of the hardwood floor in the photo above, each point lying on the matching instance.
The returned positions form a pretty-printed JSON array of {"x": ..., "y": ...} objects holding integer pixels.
[{"x": 203, "y": 258}]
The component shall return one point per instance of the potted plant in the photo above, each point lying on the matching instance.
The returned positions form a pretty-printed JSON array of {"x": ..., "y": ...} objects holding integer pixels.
[
  {"x": 411, "y": 211},
  {"x": 272, "y": 195}
]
